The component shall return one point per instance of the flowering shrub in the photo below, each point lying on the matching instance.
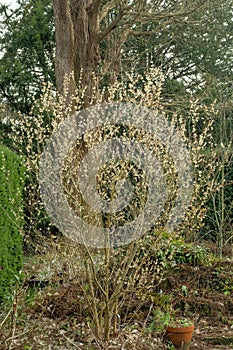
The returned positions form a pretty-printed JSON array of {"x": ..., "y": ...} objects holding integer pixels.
[{"x": 113, "y": 274}]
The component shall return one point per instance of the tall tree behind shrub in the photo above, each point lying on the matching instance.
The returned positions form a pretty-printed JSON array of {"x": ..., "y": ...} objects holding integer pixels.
[{"x": 11, "y": 218}]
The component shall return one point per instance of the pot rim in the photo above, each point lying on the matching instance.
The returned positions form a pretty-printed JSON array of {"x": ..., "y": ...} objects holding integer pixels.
[{"x": 178, "y": 329}]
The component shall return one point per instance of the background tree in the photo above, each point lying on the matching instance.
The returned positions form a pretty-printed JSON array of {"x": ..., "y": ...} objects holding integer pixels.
[
  {"x": 191, "y": 40},
  {"x": 107, "y": 37},
  {"x": 27, "y": 52}
]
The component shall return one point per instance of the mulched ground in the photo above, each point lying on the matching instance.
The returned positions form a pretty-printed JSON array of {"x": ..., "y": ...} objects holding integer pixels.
[
  {"x": 45, "y": 333},
  {"x": 55, "y": 319}
]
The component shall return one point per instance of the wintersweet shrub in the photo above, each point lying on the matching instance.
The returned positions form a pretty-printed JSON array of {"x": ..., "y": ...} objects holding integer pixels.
[
  {"x": 114, "y": 276},
  {"x": 11, "y": 218}
]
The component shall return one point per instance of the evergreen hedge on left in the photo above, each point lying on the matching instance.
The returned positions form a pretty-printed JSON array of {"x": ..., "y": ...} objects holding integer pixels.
[{"x": 12, "y": 177}]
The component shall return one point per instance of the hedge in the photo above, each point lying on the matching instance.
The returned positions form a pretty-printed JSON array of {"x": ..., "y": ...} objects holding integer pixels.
[{"x": 12, "y": 176}]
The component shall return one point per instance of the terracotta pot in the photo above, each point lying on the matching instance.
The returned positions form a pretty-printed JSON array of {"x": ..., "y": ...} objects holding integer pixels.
[{"x": 180, "y": 336}]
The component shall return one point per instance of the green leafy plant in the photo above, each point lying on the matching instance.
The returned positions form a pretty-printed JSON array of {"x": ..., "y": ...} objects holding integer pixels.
[
  {"x": 166, "y": 314},
  {"x": 190, "y": 253},
  {"x": 180, "y": 322},
  {"x": 159, "y": 321}
]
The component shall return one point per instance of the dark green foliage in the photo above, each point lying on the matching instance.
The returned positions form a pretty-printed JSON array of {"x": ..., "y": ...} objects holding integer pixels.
[
  {"x": 5, "y": 135},
  {"x": 27, "y": 44},
  {"x": 11, "y": 221}
]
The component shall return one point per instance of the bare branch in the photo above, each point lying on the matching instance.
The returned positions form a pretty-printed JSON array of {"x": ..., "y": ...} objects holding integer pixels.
[
  {"x": 122, "y": 11},
  {"x": 106, "y": 8},
  {"x": 113, "y": 25}
]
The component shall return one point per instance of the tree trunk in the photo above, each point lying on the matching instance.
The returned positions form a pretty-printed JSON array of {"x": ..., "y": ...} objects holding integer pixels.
[
  {"x": 85, "y": 20},
  {"x": 79, "y": 33},
  {"x": 77, "y": 43},
  {"x": 64, "y": 62}
]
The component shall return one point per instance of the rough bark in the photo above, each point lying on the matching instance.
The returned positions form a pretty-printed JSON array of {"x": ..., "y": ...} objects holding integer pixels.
[
  {"x": 64, "y": 61},
  {"x": 85, "y": 18},
  {"x": 77, "y": 43}
]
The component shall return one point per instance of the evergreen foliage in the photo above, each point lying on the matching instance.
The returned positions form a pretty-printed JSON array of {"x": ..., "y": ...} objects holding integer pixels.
[{"x": 11, "y": 222}]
